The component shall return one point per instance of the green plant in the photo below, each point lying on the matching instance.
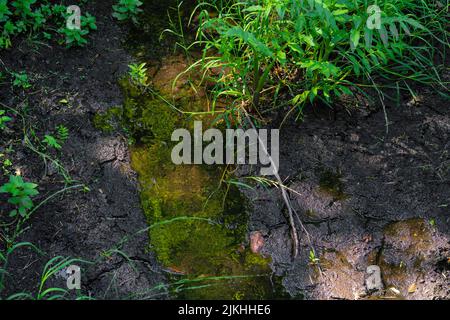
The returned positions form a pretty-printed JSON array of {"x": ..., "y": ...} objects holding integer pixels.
[
  {"x": 312, "y": 258},
  {"x": 62, "y": 133},
  {"x": 11, "y": 247},
  {"x": 88, "y": 21},
  {"x": 432, "y": 222},
  {"x": 21, "y": 80},
  {"x": 20, "y": 17},
  {"x": 127, "y": 9},
  {"x": 40, "y": 18},
  {"x": 51, "y": 142},
  {"x": 76, "y": 37},
  {"x": 23, "y": 7},
  {"x": 138, "y": 73},
  {"x": 313, "y": 50},
  {"x": 20, "y": 194},
  {"x": 6, "y": 166},
  {"x": 52, "y": 267},
  {"x": 4, "y": 11},
  {"x": 3, "y": 119}
]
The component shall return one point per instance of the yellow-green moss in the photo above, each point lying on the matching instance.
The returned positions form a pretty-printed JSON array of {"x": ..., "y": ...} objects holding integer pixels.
[
  {"x": 107, "y": 121},
  {"x": 209, "y": 254},
  {"x": 194, "y": 248}
]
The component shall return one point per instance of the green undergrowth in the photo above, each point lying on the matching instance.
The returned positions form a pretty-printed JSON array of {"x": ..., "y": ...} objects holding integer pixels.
[
  {"x": 42, "y": 21},
  {"x": 262, "y": 53}
]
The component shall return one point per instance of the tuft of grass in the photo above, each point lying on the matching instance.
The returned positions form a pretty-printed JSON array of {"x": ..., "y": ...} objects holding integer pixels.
[
  {"x": 51, "y": 269},
  {"x": 316, "y": 50},
  {"x": 14, "y": 229}
]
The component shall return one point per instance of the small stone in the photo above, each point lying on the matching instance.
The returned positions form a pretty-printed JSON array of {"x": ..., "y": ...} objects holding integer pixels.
[
  {"x": 51, "y": 169},
  {"x": 394, "y": 290},
  {"x": 354, "y": 137},
  {"x": 412, "y": 288},
  {"x": 373, "y": 280},
  {"x": 256, "y": 241},
  {"x": 367, "y": 238}
]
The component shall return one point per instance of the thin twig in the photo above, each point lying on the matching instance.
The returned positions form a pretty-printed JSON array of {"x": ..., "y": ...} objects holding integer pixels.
[{"x": 283, "y": 192}]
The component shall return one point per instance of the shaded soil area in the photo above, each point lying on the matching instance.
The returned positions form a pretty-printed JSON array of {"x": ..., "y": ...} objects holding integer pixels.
[
  {"x": 69, "y": 87},
  {"x": 364, "y": 197}
]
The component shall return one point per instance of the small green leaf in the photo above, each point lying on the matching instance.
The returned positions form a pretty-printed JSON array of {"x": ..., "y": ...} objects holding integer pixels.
[{"x": 354, "y": 38}]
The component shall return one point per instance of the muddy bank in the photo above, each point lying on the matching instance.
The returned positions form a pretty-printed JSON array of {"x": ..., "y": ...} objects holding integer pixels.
[{"x": 365, "y": 199}]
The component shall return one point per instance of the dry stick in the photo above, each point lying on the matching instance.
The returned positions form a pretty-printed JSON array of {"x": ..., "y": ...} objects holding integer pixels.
[
  {"x": 308, "y": 236},
  {"x": 287, "y": 201},
  {"x": 283, "y": 191}
]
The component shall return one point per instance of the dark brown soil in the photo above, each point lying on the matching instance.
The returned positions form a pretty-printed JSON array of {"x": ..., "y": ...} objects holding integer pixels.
[
  {"x": 78, "y": 224},
  {"x": 357, "y": 191},
  {"x": 350, "y": 183}
]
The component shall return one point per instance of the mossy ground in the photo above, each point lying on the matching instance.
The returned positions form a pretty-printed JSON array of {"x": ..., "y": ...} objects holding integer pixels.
[{"x": 209, "y": 248}]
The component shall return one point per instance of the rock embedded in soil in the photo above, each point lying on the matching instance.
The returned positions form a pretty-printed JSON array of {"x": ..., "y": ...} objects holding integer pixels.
[
  {"x": 256, "y": 241},
  {"x": 406, "y": 257},
  {"x": 373, "y": 280}
]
